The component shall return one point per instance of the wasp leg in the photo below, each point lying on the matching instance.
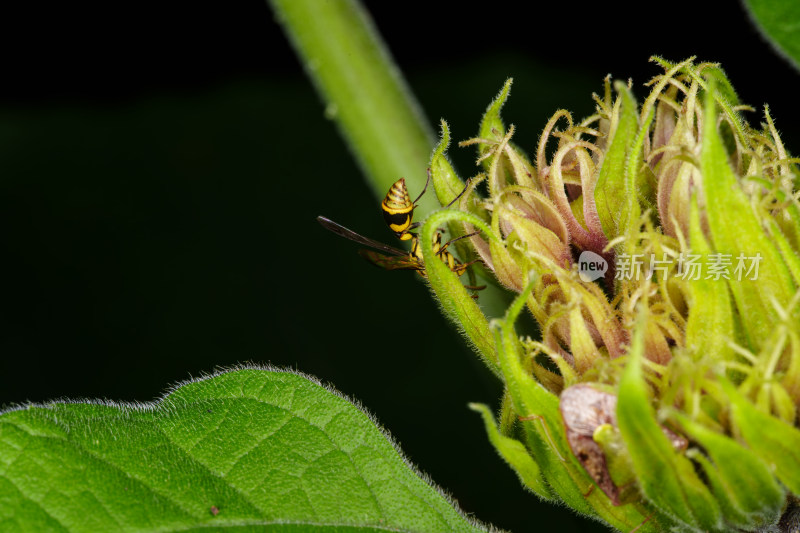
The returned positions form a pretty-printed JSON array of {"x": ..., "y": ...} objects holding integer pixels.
[
  {"x": 462, "y": 267},
  {"x": 454, "y": 200},
  {"x": 451, "y": 241},
  {"x": 637, "y": 528},
  {"x": 540, "y": 419},
  {"x": 425, "y": 188},
  {"x": 441, "y": 250},
  {"x": 454, "y": 264}
]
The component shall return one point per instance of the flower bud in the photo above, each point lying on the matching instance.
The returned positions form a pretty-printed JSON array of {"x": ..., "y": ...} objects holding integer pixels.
[{"x": 657, "y": 247}]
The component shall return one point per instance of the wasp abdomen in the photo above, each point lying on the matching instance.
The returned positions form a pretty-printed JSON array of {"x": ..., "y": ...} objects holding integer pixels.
[{"x": 398, "y": 209}]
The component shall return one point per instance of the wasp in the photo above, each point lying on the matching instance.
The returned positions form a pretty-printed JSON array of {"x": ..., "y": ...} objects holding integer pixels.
[
  {"x": 398, "y": 209},
  {"x": 398, "y": 212}
]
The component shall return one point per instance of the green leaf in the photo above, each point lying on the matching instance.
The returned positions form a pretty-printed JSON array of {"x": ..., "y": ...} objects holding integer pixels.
[
  {"x": 723, "y": 86},
  {"x": 612, "y": 195},
  {"x": 456, "y": 303},
  {"x": 540, "y": 415},
  {"x": 772, "y": 439},
  {"x": 777, "y": 20},
  {"x": 515, "y": 454},
  {"x": 666, "y": 477},
  {"x": 446, "y": 182},
  {"x": 541, "y": 420},
  {"x": 509, "y": 163},
  {"x": 709, "y": 329},
  {"x": 635, "y": 176},
  {"x": 787, "y": 251},
  {"x": 754, "y": 298},
  {"x": 246, "y": 449},
  {"x": 492, "y": 127},
  {"x": 713, "y": 81},
  {"x": 746, "y": 489},
  {"x": 448, "y": 186}
]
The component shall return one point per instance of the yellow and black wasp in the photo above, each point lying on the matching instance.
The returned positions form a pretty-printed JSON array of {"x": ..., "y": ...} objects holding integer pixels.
[{"x": 398, "y": 212}]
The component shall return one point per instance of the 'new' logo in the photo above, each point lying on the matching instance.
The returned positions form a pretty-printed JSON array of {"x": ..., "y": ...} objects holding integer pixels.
[{"x": 591, "y": 266}]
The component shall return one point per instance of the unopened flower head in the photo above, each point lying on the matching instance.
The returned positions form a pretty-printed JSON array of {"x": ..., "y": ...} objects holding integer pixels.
[{"x": 657, "y": 247}]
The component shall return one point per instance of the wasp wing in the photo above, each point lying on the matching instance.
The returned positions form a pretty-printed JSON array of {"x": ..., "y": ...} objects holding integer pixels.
[
  {"x": 340, "y": 230},
  {"x": 390, "y": 262}
]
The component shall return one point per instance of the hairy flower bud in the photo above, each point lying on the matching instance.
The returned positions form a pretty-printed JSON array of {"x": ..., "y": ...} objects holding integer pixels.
[{"x": 657, "y": 247}]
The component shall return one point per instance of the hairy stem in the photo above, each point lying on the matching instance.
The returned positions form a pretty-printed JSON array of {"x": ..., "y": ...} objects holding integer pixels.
[
  {"x": 366, "y": 94},
  {"x": 362, "y": 90}
]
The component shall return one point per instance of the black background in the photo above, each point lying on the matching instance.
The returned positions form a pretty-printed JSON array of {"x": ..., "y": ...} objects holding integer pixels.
[{"x": 161, "y": 165}]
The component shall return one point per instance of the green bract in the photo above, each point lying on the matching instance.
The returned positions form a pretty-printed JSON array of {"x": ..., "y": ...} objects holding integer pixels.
[{"x": 656, "y": 246}]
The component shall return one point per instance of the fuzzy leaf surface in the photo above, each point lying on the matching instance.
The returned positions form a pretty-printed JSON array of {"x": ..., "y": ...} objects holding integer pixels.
[
  {"x": 612, "y": 193},
  {"x": 754, "y": 296},
  {"x": 243, "y": 450},
  {"x": 777, "y": 20},
  {"x": 666, "y": 477}
]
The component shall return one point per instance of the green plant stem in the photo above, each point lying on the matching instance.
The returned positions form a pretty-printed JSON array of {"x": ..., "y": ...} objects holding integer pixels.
[
  {"x": 362, "y": 90},
  {"x": 366, "y": 95}
]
